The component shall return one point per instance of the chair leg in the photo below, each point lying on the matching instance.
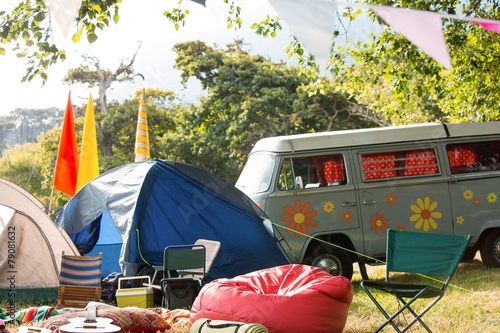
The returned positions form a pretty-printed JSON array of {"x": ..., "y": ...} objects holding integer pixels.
[
  {"x": 389, "y": 319},
  {"x": 418, "y": 316}
]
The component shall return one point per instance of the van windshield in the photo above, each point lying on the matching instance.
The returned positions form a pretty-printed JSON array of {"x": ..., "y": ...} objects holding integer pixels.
[{"x": 257, "y": 173}]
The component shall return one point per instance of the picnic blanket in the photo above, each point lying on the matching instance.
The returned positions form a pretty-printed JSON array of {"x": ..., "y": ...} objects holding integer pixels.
[
  {"x": 35, "y": 314},
  {"x": 130, "y": 319}
]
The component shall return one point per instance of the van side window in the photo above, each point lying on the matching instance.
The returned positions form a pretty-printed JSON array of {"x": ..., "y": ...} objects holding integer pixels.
[
  {"x": 376, "y": 166},
  {"x": 330, "y": 170},
  {"x": 315, "y": 171},
  {"x": 474, "y": 157},
  {"x": 285, "y": 179},
  {"x": 403, "y": 163}
]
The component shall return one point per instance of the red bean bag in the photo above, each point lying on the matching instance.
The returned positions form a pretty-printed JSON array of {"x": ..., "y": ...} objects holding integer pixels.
[{"x": 290, "y": 298}]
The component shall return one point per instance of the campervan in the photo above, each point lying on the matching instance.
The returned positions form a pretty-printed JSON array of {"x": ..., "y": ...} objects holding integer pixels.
[{"x": 335, "y": 193}]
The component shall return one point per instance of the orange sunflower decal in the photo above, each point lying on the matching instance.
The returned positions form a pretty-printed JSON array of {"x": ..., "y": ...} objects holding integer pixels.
[
  {"x": 379, "y": 223},
  {"x": 299, "y": 217}
]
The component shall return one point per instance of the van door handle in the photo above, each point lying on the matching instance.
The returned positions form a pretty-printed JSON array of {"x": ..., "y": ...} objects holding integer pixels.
[
  {"x": 348, "y": 204},
  {"x": 369, "y": 202}
]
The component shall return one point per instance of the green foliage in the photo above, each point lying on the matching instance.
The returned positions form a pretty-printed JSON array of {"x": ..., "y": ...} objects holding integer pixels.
[
  {"x": 22, "y": 166},
  {"x": 267, "y": 27},
  {"x": 28, "y": 29}
]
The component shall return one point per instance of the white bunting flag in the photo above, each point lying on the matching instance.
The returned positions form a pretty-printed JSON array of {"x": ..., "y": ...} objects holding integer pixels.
[
  {"x": 424, "y": 29},
  {"x": 312, "y": 22},
  {"x": 64, "y": 13}
]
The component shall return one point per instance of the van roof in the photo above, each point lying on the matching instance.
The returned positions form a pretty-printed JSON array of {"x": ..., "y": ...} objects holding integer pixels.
[{"x": 370, "y": 136}]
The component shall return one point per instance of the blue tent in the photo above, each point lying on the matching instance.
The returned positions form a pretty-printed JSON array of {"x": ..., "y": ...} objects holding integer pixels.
[
  {"x": 157, "y": 203},
  {"x": 109, "y": 242}
]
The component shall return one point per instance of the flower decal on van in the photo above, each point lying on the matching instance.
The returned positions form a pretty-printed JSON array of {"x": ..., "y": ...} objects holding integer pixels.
[
  {"x": 391, "y": 199},
  {"x": 328, "y": 206},
  {"x": 299, "y": 217},
  {"x": 425, "y": 215},
  {"x": 346, "y": 216},
  {"x": 468, "y": 195},
  {"x": 379, "y": 223},
  {"x": 492, "y": 197}
]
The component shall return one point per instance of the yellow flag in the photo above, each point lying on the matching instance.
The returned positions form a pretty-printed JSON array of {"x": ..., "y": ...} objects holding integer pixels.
[
  {"x": 142, "y": 136},
  {"x": 89, "y": 165}
]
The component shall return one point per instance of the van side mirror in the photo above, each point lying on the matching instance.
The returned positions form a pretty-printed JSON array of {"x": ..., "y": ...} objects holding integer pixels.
[{"x": 299, "y": 185}]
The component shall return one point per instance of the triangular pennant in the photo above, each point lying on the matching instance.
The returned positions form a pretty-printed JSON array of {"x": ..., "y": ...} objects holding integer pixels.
[
  {"x": 201, "y": 2},
  {"x": 424, "y": 29},
  {"x": 65, "y": 12},
  {"x": 487, "y": 24},
  {"x": 88, "y": 166},
  {"x": 312, "y": 22}
]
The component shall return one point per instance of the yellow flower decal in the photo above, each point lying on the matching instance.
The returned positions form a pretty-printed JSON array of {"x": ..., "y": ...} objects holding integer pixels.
[
  {"x": 424, "y": 214},
  {"x": 299, "y": 218},
  {"x": 391, "y": 199},
  {"x": 379, "y": 223},
  {"x": 492, "y": 197},
  {"x": 468, "y": 194},
  {"x": 460, "y": 220},
  {"x": 328, "y": 207}
]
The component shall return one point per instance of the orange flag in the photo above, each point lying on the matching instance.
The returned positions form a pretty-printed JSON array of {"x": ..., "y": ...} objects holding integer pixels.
[{"x": 66, "y": 171}]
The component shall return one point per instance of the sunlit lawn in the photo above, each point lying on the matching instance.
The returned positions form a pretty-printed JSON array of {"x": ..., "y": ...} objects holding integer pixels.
[{"x": 472, "y": 304}]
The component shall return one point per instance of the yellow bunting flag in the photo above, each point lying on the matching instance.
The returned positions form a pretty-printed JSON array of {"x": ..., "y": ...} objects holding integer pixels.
[{"x": 89, "y": 165}]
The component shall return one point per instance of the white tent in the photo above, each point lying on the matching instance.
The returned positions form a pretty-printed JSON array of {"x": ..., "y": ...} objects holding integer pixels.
[{"x": 30, "y": 247}]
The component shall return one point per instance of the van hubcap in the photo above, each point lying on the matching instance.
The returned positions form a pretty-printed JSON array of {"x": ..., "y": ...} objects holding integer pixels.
[
  {"x": 496, "y": 249},
  {"x": 328, "y": 263}
]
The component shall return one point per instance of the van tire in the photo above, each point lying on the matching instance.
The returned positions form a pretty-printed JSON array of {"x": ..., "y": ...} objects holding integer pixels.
[
  {"x": 490, "y": 249},
  {"x": 332, "y": 260}
]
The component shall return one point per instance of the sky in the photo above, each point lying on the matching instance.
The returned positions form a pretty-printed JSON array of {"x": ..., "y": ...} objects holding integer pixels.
[{"x": 140, "y": 21}]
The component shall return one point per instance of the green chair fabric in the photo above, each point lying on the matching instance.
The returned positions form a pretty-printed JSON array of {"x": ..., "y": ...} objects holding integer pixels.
[
  {"x": 431, "y": 258},
  {"x": 178, "y": 258}
]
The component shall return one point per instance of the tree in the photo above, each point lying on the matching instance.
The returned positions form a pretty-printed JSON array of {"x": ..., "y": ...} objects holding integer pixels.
[
  {"x": 30, "y": 123},
  {"x": 5, "y": 129},
  {"x": 120, "y": 124},
  {"x": 21, "y": 165},
  {"x": 248, "y": 98},
  {"x": 102, "y": 78}
]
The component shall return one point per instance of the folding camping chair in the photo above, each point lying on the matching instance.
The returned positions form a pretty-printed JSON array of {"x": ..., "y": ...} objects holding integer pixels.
[
  {"x": 425, "y": 256},
  {"x": 211, "y": 250},
  {"x": 179, "y": 291},
  {"x": 79, "y": 280}
]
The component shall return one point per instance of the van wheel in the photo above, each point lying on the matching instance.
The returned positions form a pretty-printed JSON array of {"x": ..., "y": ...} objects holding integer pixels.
[
  {"x": 332, "y": 260},
  {"x": 490, "y": 249}
]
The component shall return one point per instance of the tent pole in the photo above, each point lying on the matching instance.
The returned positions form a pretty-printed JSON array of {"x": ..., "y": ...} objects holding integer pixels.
[{"x": 50, "y": 202}]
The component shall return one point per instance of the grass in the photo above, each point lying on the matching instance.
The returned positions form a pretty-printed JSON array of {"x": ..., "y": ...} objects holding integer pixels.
[{"x": 471, "y": 303}]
